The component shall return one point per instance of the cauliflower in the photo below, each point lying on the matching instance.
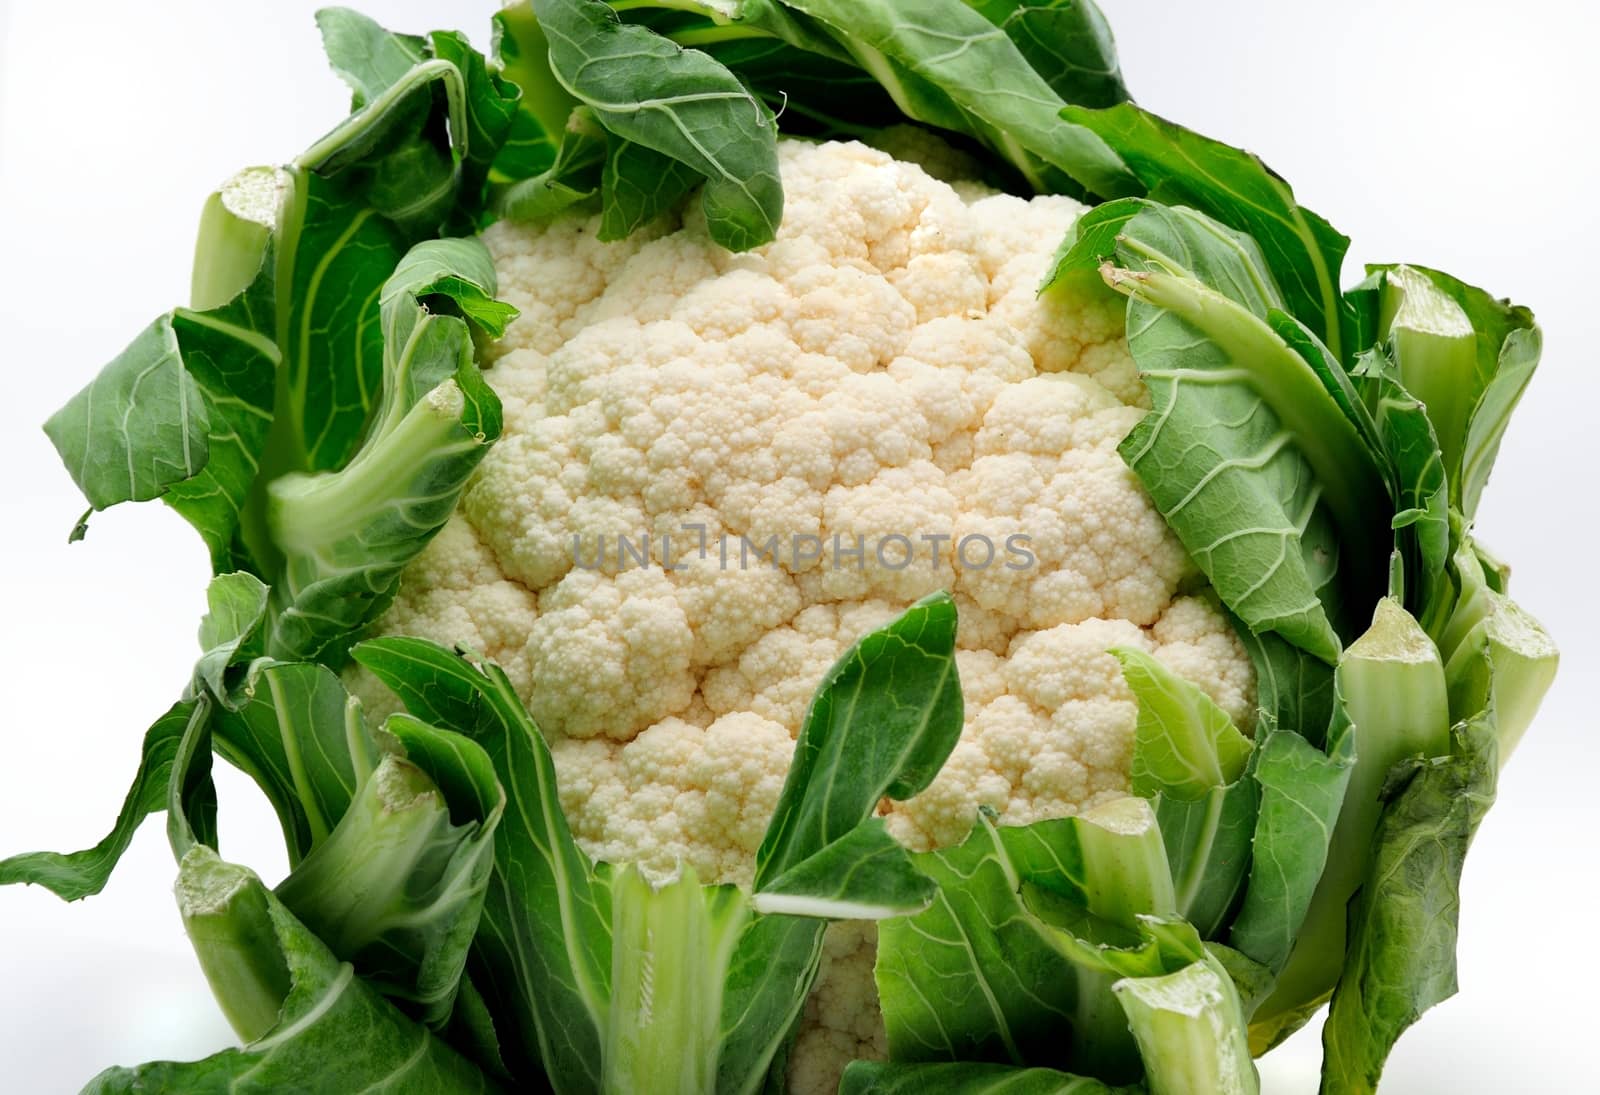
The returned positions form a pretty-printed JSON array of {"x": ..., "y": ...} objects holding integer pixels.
[
  {"x": 843, "y": 559},
  {"x": 720, "y": 469}
]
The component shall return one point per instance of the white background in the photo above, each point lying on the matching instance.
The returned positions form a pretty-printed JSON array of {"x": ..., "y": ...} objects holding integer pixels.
[{"x": 1457, "y": 135}]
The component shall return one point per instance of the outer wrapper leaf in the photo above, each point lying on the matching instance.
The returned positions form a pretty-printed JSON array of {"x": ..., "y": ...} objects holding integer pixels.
[
  {"x": 1068, "y": 42},
  {"x": 899, "y": 680},
  {"x": 1209, "y": 846},
  {"x": 344, "y": 537},
  {"x": 1247, "y": 452},
  {"x": 682, "y": 104},
  {"x": 398, "y": 885},
  {"x": 139, "y": 426},
  {"x": 882, "y": 721},
  {"x": 1008, "y": 995},
  {"x": 74, "y": 875},
  {"x": 1180, "y": 167},
  {"x": 1015, "y": 960},
  {"x": 1403, "y": 922},
  {"x": 1184, "y": 745},
  {"x": 1302, "y": 788},
  {"x": 547, "y": 977},
  {"x": 310, "y": 1046},
  {"x": 295, "y": 732},
  {"x": 966, "y": 74}
]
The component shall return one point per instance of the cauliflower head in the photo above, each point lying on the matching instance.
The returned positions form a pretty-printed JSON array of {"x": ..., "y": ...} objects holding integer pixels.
[{"x": 720, "y": 469}]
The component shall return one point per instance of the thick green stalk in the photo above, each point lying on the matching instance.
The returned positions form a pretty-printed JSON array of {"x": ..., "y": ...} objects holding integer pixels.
[
  {"x": 353, "y": 884},
  {"x": 669, "y": 961},
  {"x": 1126, "y": 874},
  {"x": 236, "y": 225},
  {"x": 1392, "y": 684},
  {"x": 313, "y": 513},
  {"x": 225, "y": 913},
  {"x": 1191, "y": 1031},
  {"x": 1436, "y": 350},
  {"x": 1507, "y": 660}
]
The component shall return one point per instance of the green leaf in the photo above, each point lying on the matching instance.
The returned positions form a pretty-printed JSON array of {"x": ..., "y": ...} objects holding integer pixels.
[
  {"x": 1419, "y": 488},
  {"x": 805, "y": 77},
  {"x": 398, "y": 885},
  {"x": 230, "y": 631},
  {"x": 74, "y": 875},
  {"x": 346, "y": 536},
  {"x": 1181, "y": 167},
  {"x": 364, "y": 55},
  {"x": 1091, "y": 241},
  {"x": 975, "y": 977},
  {"x": 249, "y": 944},
  {"x": 472, "y": 1031},
  {"x": 1252, "y": 462},
  {"x": 229, "y": 354},
  {"x": 1519, "y": 356},
  {"x": 573, "y": 176},
  {"x": 1401, "y": 960},
  {"x": 491, "y": 108},
  {"x": 1251, "y": 980},
  {"x": 969, "y": 76},
  {"x": 638, "y": 186},
  {"x": 544, "y": 106},
  {"x": 880, "y": 1078},
  {"x": 333, "y": 343},
  {"x": 864, "y": 875},
  {"x": 428, "y": 120},
  {"x": 455, "y": 276},
  {"x": 1014, "y": 960},
  {"x": 1294, "y": 689},
  {"x": 1068, "y": 42},
  {"x": 680, "y": 103},
  {"x": 1208, "y": 844},
  {"x": 1302, "y": 788},
  {"x": 881, "y": 724},
  {"x": 543, "y": 957},
  {"x": 297, "y": 732},
  {"x": 765, "y": 986},
  {"x": 1184, "y": 745},
  {"x": 139, "y": 427}
]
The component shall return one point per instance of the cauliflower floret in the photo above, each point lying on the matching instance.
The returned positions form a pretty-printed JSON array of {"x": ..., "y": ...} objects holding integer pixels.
[
  {"x": 842, "y": 1022},
  {"x": 677, "y": 794},
  {"x": 611, "y": 655},
  {"x": 455, "y": 591},
  {"x": 719, "y": 470}
]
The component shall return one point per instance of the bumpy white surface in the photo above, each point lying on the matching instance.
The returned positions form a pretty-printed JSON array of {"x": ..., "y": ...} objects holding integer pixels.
[{"x": 883, "y": 367}]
